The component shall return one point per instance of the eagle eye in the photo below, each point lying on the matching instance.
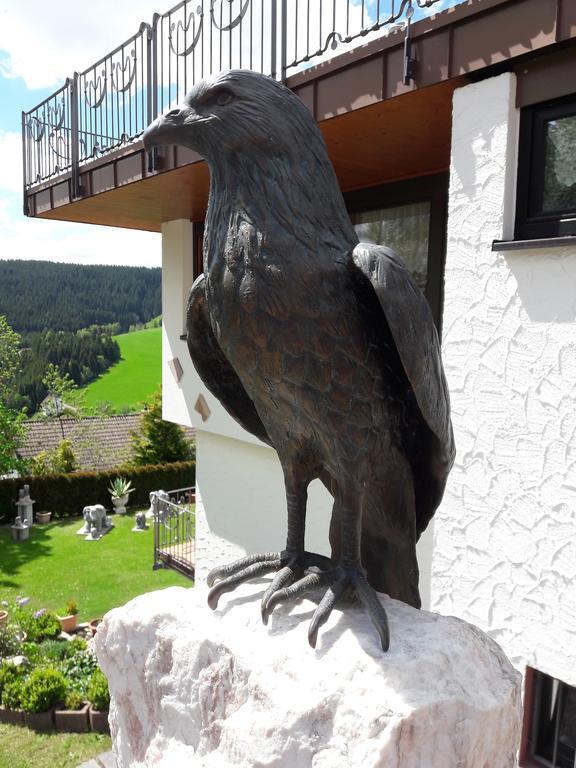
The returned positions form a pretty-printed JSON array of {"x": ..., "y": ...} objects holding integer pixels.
[{"x": 224, "y": 97}]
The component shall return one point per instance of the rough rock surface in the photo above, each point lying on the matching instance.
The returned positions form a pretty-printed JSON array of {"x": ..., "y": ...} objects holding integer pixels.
[{"x": 210, "y": 690}]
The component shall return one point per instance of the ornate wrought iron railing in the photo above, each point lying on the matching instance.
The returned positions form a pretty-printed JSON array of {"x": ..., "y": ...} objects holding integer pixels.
[
  {"x": 174, "y": 519},
  {"x": 110, "y": 103}
]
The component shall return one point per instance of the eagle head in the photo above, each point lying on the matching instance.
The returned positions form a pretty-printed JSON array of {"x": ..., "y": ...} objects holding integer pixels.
[{"x": 237, "y": 112}]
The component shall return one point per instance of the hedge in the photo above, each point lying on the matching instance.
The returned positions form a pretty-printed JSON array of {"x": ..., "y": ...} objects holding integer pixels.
[{"x": 67, "y": 495}]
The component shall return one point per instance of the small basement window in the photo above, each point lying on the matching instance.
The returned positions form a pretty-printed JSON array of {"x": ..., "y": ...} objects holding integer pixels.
[
  {"x": 551, "y": 727},
  {"x": 546, "y": 192}
]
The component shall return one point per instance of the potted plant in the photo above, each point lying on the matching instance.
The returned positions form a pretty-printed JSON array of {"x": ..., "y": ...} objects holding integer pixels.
[
  {"x": 99, "y": 697},
  {"x": 43, "y": 517},
  {"x": 69, "y": 620},
  {"x": 73, "y": 716},
  {"x": 42, "y": 690},
  {"x": 119, "y": 490}
]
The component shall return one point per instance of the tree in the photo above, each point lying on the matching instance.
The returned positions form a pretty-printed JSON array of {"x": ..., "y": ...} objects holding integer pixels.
[
  {"x": 12, "y": 428},
  {"x": 12, "y": 432},
  {"x": 60, "y": 387},
  {"x": 159, "y": 441},
  {"x": 9, "y": 359}
]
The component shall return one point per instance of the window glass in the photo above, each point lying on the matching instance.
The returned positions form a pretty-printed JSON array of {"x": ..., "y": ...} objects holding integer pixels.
[
  {"x": 404, "y": 229},
  {"x": 556, "y": 723},
  {"x": 560, "y": 164}
]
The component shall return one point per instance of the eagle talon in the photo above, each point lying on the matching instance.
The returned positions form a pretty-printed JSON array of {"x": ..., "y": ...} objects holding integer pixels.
[{"x": 342, "y": 580}]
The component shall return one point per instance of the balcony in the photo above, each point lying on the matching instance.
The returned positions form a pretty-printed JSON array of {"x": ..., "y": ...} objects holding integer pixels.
[{"x": 347, "y": 59}]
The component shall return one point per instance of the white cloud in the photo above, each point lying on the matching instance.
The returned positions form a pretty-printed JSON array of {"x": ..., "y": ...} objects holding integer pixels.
[
  {"x": 45, "y": 42},
  {"x": 31, "y": 238}
]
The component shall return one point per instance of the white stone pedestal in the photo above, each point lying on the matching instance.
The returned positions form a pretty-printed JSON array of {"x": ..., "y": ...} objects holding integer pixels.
[{"x": 213, "y": 690}]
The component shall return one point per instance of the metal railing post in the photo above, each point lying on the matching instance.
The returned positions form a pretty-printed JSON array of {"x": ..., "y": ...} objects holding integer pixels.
[
  {"x": 273, "y": 36},
  {"x": 25, "y": 207},
  {"x": 283, "y": 40},
  {"x": 76, "y": 191}
]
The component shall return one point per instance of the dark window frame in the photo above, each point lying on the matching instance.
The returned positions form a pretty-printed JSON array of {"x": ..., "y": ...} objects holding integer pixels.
[
  {"x": 432, "y": 189},
  {"x": 536, "y": 691},
  {"x": 532, "y": 222}
]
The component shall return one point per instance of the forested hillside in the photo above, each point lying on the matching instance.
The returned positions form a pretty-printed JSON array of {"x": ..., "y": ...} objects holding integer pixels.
[
  {"x": 39, "y": 295},
  {"x": 83, "y": 356}
]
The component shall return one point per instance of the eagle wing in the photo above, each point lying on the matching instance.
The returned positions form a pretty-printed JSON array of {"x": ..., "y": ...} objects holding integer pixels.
[
  {"x": 410, "y": 322},
  {"x": 213, "y": 366}
]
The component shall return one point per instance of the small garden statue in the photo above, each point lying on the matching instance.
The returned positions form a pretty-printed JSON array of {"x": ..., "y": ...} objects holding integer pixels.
[
  {"x": 20, "y": 529},
  {"x": 162, "y": 497},
  {"x": 24, "y": 505},
  {"x": 96, "y": 522},
  {"x": 141, "y": 524}
]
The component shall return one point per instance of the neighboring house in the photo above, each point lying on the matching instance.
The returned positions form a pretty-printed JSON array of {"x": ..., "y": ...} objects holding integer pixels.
[
  {"x": 98, "y": 443},
  {"x": 471, "y": 161}
]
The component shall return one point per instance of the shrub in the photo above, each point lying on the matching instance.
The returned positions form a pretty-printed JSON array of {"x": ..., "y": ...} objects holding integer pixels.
[
  {"x": 78, "y": 669},
  {"x": 10, "y": 641},
  {"x": 98, "y": 693},
  {"x": 10, "y": 673},
  {"x": 67, "y": 495},
  {"x": 13, "y": 692},
  {"x": 60, "y": 460},
  {"x": 41, "y": 626},
  {"x": 73, "y": 700},
  {"x": 52, "y": 650},
  {"x": 43, "y": 689}
]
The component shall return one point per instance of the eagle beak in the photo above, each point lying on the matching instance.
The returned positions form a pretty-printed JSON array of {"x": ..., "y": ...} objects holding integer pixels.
[{"x": 167, "y": 129}]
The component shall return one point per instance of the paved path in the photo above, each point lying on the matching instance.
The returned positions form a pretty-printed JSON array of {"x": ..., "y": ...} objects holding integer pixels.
[{"x": 105, "y": 760}]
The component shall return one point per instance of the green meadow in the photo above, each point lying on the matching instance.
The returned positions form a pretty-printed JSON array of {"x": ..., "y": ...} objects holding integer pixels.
[{"x": 132, "y": 380}]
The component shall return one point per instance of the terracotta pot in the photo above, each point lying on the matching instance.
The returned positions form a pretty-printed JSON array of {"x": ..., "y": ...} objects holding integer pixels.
[
  {"x": 40, "y": 721},
  {"x": 99, "y": 721},
  {"x": 43, "y": 517},
  {"x": 3, "y": 617},
  {"x": 94, "y": 625},
  {"x": 72, "y": 720},
  {"x": 11, "y": 716},
  {"x": 68, "y": 623}
]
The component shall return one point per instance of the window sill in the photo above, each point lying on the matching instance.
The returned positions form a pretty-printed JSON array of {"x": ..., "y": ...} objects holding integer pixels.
[{"x": 545, "y": 242}]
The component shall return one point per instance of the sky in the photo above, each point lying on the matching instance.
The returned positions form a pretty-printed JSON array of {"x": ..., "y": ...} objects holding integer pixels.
[{"x": 40, "y": 45}]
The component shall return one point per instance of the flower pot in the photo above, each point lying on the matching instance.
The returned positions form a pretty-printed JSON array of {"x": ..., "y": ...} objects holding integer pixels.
[
  {"x": 99, "y": 721},
  {"x": 94, "y": 625},
  {"x": 68, "y": 623},
  {"x": 3, "y": 617},
  {"x": 43, "y": 517},
  {"x": 40, "y": 721},
  {"x": 72, "y": 720},
  {"x": 11, "y": 716},
  {"x": 119, "y": 503}
]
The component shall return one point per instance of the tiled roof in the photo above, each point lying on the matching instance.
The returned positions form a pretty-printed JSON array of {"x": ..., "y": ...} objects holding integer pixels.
[{"x": 98, "y": 442}]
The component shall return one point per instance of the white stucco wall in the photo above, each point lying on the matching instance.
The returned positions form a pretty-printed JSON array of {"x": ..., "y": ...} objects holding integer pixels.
[
  {"x": 505, "y": 535},
  {"x": 241, "y": 505}
]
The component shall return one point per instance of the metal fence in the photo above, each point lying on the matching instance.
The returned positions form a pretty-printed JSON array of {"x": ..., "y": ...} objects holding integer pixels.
[
  {"x": 174, "y": 519},
  {"x": 110, "y": 103}
]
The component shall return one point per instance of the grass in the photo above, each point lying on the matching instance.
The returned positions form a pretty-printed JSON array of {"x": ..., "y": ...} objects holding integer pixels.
[
  {"x": 137, "y": 376},
  {"x": 54, "y": 565},
  {"x": 23, "y": 748}
]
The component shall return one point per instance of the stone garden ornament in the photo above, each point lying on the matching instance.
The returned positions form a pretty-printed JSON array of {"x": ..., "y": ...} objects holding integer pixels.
[{"x": 321, "y": 346}]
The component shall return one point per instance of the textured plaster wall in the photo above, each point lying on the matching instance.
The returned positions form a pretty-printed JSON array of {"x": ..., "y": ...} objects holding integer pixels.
[{"x": 505, "y": 536}]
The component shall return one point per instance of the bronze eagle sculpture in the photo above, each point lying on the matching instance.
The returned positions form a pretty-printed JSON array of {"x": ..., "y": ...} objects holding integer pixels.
[{"x": 322, "y": 347}]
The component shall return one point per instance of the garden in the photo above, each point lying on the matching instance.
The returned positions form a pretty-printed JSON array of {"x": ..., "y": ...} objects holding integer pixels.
[{"x": 53, "y": 697}]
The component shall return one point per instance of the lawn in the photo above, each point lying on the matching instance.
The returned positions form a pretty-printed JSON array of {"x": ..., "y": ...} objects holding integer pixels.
[
  {"x": 135, "y": 377},
  {"x": 54, "y": 565},
  {"x": 23, "y": 748}
]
